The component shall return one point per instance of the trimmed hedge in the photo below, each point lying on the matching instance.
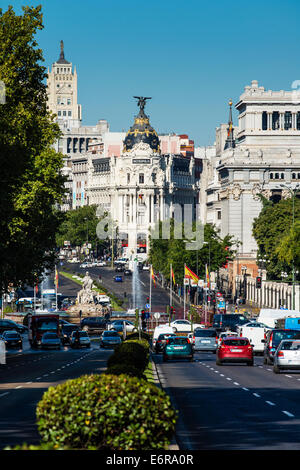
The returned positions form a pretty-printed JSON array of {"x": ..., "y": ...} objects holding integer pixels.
[
  {"x": 127, "y": 369},
  {"x": 106, "y": 412},
  {"x": 132, "y": 353}
]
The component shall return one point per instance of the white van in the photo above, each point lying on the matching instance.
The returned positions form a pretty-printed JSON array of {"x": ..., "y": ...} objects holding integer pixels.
[
  {"x": 255, "y": 332},
  {"x": 160, "y": 330},
  {"x": 269, "y": 316}
]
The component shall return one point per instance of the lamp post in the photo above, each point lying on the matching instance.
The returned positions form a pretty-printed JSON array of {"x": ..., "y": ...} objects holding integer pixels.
[{"x": 293, "y": 192}]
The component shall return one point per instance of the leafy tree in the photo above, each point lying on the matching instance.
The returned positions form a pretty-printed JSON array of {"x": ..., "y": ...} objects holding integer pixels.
[
  {"x": 31, "y": 181},
  {"x": 79, "y": 227},
  {"x": 288, "y": 248},
  {"x": 274, "y": 234},
  {"x": 215, "y": 252}
]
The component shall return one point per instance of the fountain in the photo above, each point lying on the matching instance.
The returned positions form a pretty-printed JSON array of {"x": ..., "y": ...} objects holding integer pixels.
[
  {"x": 136, "y": 287},
  {"x": 86, "y": 300}
]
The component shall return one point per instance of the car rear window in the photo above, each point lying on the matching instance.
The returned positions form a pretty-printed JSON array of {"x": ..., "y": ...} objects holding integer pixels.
[
  {"x": 50, "y": 336},
  {"x": 165, "y": 336},
  {"x": 235, "y": 342},
  {"x": 12, "y": 335},
  {"x": 290, "y": 345},
  {"x": 205, "y": 333},
  {"x": 111, "y": 333},
  {"x": 285, "y": 334},
  {"x": 178, "y": 341}
]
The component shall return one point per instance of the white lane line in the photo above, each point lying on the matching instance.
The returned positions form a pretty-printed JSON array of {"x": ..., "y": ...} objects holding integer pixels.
[
  {"x": 270, "y": 403},
  {"x": 19, "y": 386},
  {"x": 38, "y": 378},
  {"x": 228, "y": 378},
  {"x": 28, "y": 383},
  {"x": 256, "y": 395},
  {"x": 222, "y": 375},
  {"x": 288, "y": 414},
  {"x": 246, "y": 389},
  {"x": 236, "y": 383},
  {"x": 289, "y": 376},
  {"x": 3, "y": 394}
]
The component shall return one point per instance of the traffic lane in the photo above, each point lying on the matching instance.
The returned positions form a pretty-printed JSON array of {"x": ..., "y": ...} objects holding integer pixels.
[
  {"x": 23, "y": 390},
  {"x": 216, "y": 412},
  {"x": 281, "y": 391}
]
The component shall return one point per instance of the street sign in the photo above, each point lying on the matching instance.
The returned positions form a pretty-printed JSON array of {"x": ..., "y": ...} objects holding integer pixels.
[
  {"x": 186, "y": 282},
  {"x": 156, "y": 315},
  {"x": 201, "y": 282},
  {"x": 147, "y": 306}
]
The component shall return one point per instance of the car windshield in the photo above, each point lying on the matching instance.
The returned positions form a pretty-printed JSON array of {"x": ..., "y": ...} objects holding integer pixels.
[
  {"x": 236, "y": 342},
  {"x": 47, "y": 324},
  {"x": 110, "y": 333},
  {"x": 290, "y": 345},
  {"x": 83, "y": 334},
  {"x": 165, "y": 336},
  {"x": 178, "y": 340},
  {"x": 11, "y": 335},
  {"x": 50, "y": 336},
  {"x": 205, "y": 333}
]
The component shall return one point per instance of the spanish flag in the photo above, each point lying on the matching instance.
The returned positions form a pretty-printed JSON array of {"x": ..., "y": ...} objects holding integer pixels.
[
  {"x": 172, "y": 274},
  {"x": 188, "y": 274},
  {"x": 152, "y": 275},
  {"x": 207, "y": 277},
  {"x": 56, "y": 277}
]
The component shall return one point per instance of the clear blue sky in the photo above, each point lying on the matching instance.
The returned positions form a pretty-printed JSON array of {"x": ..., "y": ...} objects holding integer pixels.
[{"x": 191, "y": 56}]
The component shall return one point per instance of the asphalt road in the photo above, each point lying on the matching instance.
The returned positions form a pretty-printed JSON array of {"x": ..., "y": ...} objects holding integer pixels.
[
  {"x": 232, "y": 407},
  {"x": 28, "y": 374}
]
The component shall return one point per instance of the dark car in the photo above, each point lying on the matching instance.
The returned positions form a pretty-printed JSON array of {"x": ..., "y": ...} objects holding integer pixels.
[
  {"x": 66, "y": 332},
  {"x": 273, "y": 339},
  {"x": 12, "y": 339},
  {"x": 6, "y": 325},
  {"x": 127, "y": 272},
  {"x": 118, "y": 279},
  {"x": 161, "y": 341},
  {"x": 119, "y": 268},
  {"x": 110, "y": 339},
  {"x": 222, "y": 321},
  {"x": 94, "y": 324}
]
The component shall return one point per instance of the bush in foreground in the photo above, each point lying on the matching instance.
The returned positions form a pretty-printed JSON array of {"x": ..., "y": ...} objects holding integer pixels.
[{"x": 106, "y": 412}]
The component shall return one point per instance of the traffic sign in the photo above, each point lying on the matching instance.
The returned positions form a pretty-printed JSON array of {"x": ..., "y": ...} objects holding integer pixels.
[{"x": 147, "y": 306}]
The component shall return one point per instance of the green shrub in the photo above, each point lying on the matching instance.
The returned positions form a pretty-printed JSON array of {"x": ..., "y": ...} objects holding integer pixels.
[
  {"x": 106, "y": 412},
  {"x": 124, "y": 369},
  {"x": 42, "y": 446},
  {"x": 130, "y": 336},
  {"x": 130, "y": 353}
]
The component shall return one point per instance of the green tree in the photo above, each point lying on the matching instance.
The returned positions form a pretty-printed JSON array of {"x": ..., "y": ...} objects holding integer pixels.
[
  {"x": 215, "y": 252},
  {"x": 273, "y": 232},
  {"x": 79, "y": 227},
  {"x": 31, "y": 181}
]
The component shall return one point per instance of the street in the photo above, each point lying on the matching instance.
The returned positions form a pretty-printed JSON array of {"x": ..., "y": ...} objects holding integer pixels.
[{"x": 232, "y": 407}]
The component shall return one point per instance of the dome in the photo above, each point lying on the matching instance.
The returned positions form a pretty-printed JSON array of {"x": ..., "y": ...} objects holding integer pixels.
[{"x": 141, "y": 132}]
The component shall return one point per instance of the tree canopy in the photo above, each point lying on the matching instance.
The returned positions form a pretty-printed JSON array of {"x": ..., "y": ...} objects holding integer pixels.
[
  {"x": 277, "y": 238},
  {"x": 32, "y": 185},
  {"x": 215, "y": 253}
]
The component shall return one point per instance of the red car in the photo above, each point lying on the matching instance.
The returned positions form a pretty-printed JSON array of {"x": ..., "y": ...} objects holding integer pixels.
[{"x": 235, "y": 349}]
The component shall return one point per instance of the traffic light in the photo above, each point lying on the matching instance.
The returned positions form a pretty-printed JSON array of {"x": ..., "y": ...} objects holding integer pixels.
[
  {"x": 258, "y": 282},
  {"x": 143, "y": 315},
  {"x": 147, "y": 300}
]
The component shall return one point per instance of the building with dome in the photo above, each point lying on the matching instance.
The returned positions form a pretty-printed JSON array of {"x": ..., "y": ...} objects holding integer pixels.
[{"x": 142, "y": 186}]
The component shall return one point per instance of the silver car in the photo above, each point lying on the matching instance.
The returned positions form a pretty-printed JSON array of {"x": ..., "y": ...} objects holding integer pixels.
[
  {"x": 110, "y": 339},
  {"x": 287, "y": 355},
  {"x": 205, "y": 339},
  {"x": 50, "y": 341}
]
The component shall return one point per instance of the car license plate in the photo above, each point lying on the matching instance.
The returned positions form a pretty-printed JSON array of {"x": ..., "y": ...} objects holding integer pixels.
[
  {"x": 205, "y": 341},
  {"x": 178, "y": 347},
  {"x": 236, "y": 350}
]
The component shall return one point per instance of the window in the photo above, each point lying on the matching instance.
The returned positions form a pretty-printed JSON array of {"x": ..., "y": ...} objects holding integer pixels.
[
  {"x": 141, "y": 178},
  {"x": 64, "y": 113},
  {"x": 298, "y": 122},
  {"x": 219, "y": 215},
  {"x": 287, "y": 120},
  {"x": 128, "y": 178},
  {"x": 275, "y": 120},
  {"x": 70, "y": 113},
  {"x": 59, "y": 113},
  {"x": 264, "y": 121},
  {"x": 68, "y": 101}
]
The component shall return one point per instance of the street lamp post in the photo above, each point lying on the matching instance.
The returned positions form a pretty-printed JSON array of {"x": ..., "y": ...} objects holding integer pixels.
[{"x": 293, "y": 192}]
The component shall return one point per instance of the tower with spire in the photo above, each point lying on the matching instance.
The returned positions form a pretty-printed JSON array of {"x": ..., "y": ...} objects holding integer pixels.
[
  {"x": 230, "y": 142},
  {"x": 62, "y": 92}
]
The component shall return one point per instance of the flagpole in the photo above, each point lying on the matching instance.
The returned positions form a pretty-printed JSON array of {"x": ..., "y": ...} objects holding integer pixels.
[
  {"x": 184, "y": 294},
  {"x": 150, "y": 293},
  {"x": 56, "y": 275},
  {"x": 34, "y": 300},
  {"x": 171, "y": 281}
]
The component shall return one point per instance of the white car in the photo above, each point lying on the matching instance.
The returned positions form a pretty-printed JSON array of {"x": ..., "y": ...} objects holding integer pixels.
[
  {"x": 101, "y": 263},
  {"x": 223, "y": 334},
  {"x": 182, "y": 326},
  {"x": 146, "y": 268},
  {"x": 287, "y": 356},
  {"x": 119, "y": 324}
]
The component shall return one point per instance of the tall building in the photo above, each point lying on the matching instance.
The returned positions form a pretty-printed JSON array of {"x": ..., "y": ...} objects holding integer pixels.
[{"x": 264, "y": 159}]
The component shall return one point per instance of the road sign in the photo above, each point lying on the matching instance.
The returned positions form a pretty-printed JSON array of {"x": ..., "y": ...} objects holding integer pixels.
[
  {"x": 156, "y": 315},
  {"x": 147, "y": 306}
]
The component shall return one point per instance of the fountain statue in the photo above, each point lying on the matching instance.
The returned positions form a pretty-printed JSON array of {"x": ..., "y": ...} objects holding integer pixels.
[
  {"x": 86, "y": 295},
  {"x": 87, "y": 300}
]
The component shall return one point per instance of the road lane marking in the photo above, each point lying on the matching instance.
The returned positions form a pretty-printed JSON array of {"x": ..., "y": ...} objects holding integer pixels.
[
  {"x": 288, "y": 414},
  {"x": 236, "y": 383},
  {"x": 246, "y": 389},
  {"x": 256, "y": 395},
  {"x": 19, "y": 386},
  {"x": 228, "y": 378},
  {"x": 270, "y": 403},
  {"x": 3, "y": 394}
]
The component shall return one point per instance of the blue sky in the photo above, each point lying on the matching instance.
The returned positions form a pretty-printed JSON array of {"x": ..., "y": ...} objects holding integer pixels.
[{"x": 191, "y": 56}]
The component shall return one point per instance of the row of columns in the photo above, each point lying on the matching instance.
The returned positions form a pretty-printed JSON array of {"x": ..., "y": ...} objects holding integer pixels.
[
  {"x": 271, "y": 295},
  {"x": 281, "y": 121}
]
